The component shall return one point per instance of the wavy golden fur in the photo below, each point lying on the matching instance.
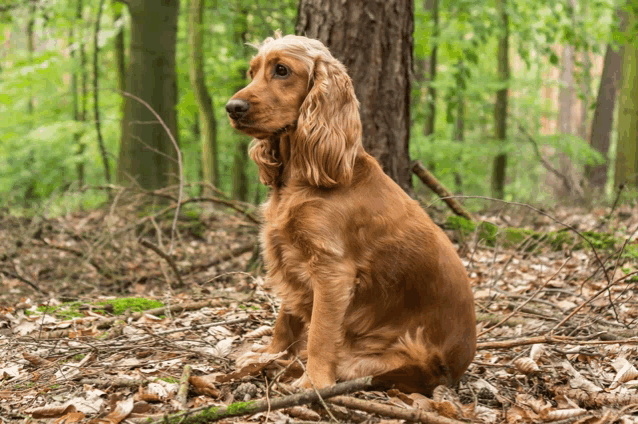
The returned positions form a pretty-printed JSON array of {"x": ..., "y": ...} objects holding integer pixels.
[{"x": 369, "y": 284}]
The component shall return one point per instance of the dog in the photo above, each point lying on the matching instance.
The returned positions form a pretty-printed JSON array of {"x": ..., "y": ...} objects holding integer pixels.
[{"x": 369, "y": 284}]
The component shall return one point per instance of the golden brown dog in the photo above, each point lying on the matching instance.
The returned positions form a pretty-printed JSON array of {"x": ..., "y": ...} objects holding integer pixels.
[{"x": 369, "y": 284}]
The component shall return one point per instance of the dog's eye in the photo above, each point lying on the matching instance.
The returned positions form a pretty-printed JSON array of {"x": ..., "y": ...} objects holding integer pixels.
[{"x": 281, "y": 71}]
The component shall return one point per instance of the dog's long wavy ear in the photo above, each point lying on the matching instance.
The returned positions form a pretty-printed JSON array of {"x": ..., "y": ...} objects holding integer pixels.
[
  {"x": 265, "y": 155},
  {"x": 328, "y": 131}
]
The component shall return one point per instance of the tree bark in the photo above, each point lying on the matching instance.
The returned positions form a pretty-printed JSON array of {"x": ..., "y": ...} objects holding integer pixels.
[
  {"x": 500, "y": 109},
  {"x": 240, "y": 158},
  {"x": 147, "y": 155},
  {"x": 96, "y": 92},
  {"x": 627, "y": 148},
  {"x": 603, "y": 119},
  {"x": 459, "y": 124},
  {"x": 373, "y": 39},
  {"x": 120, "y": 51},
  {"x": 432, "y": 6},
  {"x": 77, "y": 114},
  {"x": 208, "y": 123}
]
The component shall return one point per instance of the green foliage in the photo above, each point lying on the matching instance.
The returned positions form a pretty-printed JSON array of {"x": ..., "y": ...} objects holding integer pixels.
[
  {"x": 41, "y": 146},
  {"x": 131, "y": 304}
]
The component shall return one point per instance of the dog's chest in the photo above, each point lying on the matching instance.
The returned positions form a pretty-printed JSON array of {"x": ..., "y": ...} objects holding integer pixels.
[{"x": 285, "y": 262}]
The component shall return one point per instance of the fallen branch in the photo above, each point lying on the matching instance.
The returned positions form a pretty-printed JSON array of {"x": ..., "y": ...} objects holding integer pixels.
[
  {"x": 430, "y": 181},
  {"x": 548, "y": 339},
  {"x": 215, "y": 413},
  {"x": 416, "y": 415},
  {"x": 166, "y": 257},
  {"x": 240, "y": 250},
  {"x": 182, "y": 393}
]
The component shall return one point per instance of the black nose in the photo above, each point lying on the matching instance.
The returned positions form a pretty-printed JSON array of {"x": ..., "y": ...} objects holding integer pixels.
[{"x": 237, "y": 108}]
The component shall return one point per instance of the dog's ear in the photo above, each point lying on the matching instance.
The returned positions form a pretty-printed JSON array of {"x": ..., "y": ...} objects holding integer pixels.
[
  {"x": 266, "y": 156},
  {"x": 328, "y": 132}
]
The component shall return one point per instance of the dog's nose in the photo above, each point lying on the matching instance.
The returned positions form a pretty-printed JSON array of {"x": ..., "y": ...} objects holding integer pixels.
[{"x": 237, "y": 108}]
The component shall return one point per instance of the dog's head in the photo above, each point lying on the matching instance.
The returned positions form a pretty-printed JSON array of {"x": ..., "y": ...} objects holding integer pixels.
[{"x": 300, "y": 90}]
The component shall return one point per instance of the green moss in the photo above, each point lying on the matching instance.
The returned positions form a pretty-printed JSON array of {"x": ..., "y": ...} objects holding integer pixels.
[
  {"x": 65, "y": 311},
  {"x": 510, "y": 237},
  {"x": 78, "y": 357},
  {"x": 132, "y": 304},
  {"x": 171, "y": 380},
  {"x": 239, "y": 408}
]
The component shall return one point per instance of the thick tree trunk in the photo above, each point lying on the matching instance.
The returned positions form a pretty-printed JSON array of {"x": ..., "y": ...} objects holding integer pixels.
[
  {"x": 147, "y": 155},
  {"x": 602, "y": 122},
  {"x": 120, "y": 61},
  {"x": 373, "y": 38},
  {"x": 204, "y": 101},
  {"x": 500, "y": 109},
  {"x": 432, "y": 6},
  {"x": 627, "y": 149}
]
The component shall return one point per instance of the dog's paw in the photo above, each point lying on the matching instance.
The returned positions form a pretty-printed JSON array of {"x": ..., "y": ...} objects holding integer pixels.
[{"x": 302, "y": 382}]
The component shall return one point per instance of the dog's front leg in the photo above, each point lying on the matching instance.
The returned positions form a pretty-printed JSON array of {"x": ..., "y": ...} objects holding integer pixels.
[{"x": 331, "y": 297}]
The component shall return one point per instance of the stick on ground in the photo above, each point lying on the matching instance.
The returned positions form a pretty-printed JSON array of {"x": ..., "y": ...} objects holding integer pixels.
[
  {"x": 430, "y": 181},
  {"x": 210, "y": 414}
]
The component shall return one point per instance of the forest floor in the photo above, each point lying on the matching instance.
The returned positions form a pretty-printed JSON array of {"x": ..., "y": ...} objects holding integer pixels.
[{"x": 117, "y": 315}]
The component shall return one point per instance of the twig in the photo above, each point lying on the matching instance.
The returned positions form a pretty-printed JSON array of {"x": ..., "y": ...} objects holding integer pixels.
[
  {"x": 544, "y": 162},
  {"x": 613, "y": 207},
  {"x": 215, "y": 413},
  {"x": 240, "y": 250},
  {"x": 526, "y": 301},
  {"x": 24, "y": 280},
  {"x": 416, "y": 415},
  {"x": 166, "y": 257},
  {"x": 182, "y": 393},
  {"x": 79, "y": 254},
  {"x": 321, "y": 401},
  {"x": 548, "y": 339},
  {"x": 569, "y": 227},
  {"x": 178, "y": 152},
  {"x": 430, "y": 181},
  {"x": 598, "y": 293}
]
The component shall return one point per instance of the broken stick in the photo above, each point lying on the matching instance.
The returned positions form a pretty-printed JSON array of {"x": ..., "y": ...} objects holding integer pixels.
[{"x": 429, "y": 180}]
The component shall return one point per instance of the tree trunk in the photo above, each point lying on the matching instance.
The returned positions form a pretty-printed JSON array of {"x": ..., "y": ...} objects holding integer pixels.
[
  {"x": 627, "y": 148},
  {"x": 373, "y": 39},
  {"x": 147, "y": 155},
  {"x": 432, "y": 6},
  {"x": 500, "y": 109},
  {"x": 240, "y": 158},
  {"x": 603, "y": 119},
  {"x": 120, "y": 61},
  {"x": 198, "y": 82},
  {"x": 459, "y": 126},
  {"x": 77, "y": 114},
  {"x": 96, "y": 92}
]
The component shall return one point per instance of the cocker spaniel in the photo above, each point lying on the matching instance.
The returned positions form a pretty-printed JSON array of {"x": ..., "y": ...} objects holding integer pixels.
[{"x": 369, "y": 284}]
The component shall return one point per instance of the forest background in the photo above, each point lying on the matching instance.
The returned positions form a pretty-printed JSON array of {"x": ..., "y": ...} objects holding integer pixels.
[{"x": 508, "y": 98}]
